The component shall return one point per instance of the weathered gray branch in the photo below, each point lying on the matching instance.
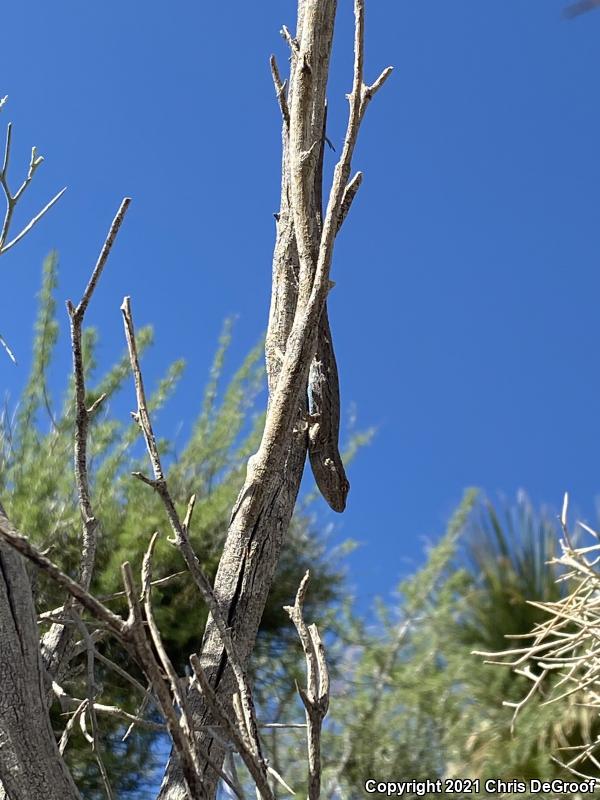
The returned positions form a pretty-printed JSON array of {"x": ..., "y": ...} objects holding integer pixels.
[
  {"x": 180, "y": 529},
  {"x": 13, "y": 199},
  {"x": 55, "y": 643},
  {"x": 301, "y": 264},
  {"x": 236, "y": 732},
  {"x": 316, "y": 695}
]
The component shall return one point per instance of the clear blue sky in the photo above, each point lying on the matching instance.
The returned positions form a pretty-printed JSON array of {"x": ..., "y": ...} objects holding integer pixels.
[{"x": 466, "y": 311}]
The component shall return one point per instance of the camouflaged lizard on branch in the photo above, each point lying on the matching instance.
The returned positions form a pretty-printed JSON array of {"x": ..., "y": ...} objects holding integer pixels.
[
  {"x": 324, "y": 421},
  {"x": 324, "y": 390}
]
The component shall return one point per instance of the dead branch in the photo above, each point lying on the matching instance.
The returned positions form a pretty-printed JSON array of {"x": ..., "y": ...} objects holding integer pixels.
[
  {"x": 12, "y": 199},
  {"x": 315, "y": 696},
  {"x": 157, "y": 639},
  {"x": 91, "y": 708},
  {"x": 180, "y": 529},
  {"x": 20, "y": 543},
  {"x": 253, "y": 761},
  {"x": 56, "y": 642}
]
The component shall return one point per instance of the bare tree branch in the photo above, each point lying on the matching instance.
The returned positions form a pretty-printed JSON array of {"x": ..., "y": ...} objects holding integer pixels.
[
  {"x": 255, "y": 765},
  {"x": 280, "y": 88},
  {"x": 55, "y": 644},
  {"x": 13, "y": 199},
  {"x": 182, "y": 742},
  {"x": 20, "y": 543},
  {"x": 91, "y": 709},
  {"x": 180, "y": 530},
  {"x": 157, "y": 639},
  {"x": 316, "y": 695}
]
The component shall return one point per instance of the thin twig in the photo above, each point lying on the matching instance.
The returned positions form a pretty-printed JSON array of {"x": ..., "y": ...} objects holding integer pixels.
[
  {"x": 122, "y": 672},
  {"x": 64, "y": 739},
  {"x": 33, "y": 222},
  {"x": 13, "y": 199},
  {"x": 134, "y": 719},
  {"x": 280, "y": 87},
  {"x": 157, "y": 639},
  {"x": 316, "y": 695},
  {"x": 184, "y": 747},
  {"x": 82, "y": 413},
  {"x": 7, "y": 349},
  {"x": 255, "y": 766},
  {"x": 350, "y": 192},
  {"x": 140, "y": 711},
  {"x": 91, "y": 691},
  {"x": 179, "y": 528},
  {"x": 231, "y": 772}
]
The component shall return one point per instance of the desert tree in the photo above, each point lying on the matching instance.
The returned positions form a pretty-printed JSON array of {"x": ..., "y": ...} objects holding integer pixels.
[
  {"x": 209, "y": 712},
  {"x": 35, "y": 457}
]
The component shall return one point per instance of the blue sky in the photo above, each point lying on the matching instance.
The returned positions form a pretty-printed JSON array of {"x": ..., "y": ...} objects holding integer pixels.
[{"x": 468, "y": 284}]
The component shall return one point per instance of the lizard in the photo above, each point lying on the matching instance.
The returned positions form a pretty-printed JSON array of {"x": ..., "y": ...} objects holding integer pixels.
[
  {"x": 321, "y": 406},
  {"x": 323, "y": 393},
  {"x": 324, "y": 421}
]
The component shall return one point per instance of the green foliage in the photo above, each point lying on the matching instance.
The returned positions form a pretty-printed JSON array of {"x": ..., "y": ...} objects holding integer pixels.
[
  {"x": 402, "y": 706},
  {"x": 508, "y": 555}
]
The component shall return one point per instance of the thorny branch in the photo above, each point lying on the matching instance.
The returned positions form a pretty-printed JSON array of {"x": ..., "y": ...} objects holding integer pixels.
[{"x": 566, "y": 644}]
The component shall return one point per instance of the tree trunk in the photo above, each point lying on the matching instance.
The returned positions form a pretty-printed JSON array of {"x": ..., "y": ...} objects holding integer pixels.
[{"x": 30, "y": 765}]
